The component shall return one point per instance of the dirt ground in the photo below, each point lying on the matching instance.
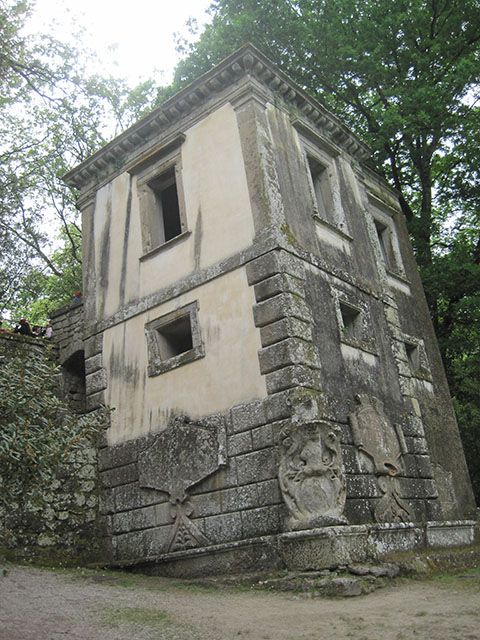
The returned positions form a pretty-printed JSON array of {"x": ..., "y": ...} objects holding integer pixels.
[{"x": 38, "y": 604}]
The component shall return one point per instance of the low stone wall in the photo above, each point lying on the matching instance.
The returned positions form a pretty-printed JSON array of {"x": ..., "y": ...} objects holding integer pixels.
[
  {"x": 53, "y": 514},
  {"x": 67, "y": 325},
  {"x": 57, "y": 517}
]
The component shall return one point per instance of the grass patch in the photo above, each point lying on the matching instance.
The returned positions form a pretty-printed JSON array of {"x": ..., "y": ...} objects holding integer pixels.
[
  {"x": 140, "y": 616},
  {"x": 466, "y": 576}
]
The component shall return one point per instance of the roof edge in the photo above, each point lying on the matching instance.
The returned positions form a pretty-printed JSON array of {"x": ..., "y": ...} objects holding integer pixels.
[{"x": 247, "y": 60}]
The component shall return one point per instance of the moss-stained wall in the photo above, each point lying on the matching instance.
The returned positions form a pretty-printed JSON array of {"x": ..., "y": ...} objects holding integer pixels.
[
  {"x": 218, "y": 219},
  {"x": 48, "y": 502},
  {"x": 227, "y": 375}
]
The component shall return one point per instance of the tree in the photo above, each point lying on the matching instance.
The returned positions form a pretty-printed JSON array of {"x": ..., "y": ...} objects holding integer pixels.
[
  {"x": 404, "y": 76},
  {"x": 53, "y": 114}
]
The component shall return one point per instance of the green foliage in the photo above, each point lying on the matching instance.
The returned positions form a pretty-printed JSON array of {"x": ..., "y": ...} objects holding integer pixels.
[
  {"x": 53, "y": 114},
  {"x": 38, "y": 431},
  {"x": 39, "y": 292}
]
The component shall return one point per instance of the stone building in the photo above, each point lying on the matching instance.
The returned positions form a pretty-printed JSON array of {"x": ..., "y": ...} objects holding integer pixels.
[{"x": 254, "y": 316}]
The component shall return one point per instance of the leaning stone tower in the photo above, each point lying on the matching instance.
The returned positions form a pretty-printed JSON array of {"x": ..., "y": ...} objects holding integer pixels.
[{"x": 254, "y": 316}]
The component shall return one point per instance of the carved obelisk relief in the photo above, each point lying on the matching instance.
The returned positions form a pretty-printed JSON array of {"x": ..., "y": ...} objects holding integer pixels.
[
  {"x": 384, "y": 445},
  {"x": 180, "y": 457},
  {"x": 311, "y": 475}
]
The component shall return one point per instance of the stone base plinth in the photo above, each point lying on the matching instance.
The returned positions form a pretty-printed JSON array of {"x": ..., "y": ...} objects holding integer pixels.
[{"x": 314, "y": 549}]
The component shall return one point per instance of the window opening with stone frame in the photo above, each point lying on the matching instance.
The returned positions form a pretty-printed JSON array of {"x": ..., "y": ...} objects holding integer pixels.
[
  {"x": 161, "y": 199},
  {"x": 324, "y": 186},
  {"x": 174, "y": 340},
  {"x": 385, "y": 241},
  {"x": 413, "y": 356},
  {"x": 164, "y": 188},
  {"x": 351, "y": 321},
  {"x": 321, "y": 188}
]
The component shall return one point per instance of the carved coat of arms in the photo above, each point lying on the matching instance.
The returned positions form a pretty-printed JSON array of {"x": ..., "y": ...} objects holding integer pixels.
[
  {"x": 180, "y": 457},
  {"x": 311, "y": 475}
]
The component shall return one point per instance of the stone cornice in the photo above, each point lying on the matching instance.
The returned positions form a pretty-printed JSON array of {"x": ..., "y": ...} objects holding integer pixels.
[{"x": 247, "y": 61}]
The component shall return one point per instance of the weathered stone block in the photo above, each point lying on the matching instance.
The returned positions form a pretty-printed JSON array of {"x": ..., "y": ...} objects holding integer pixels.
[
  {"x": 96, "y": 381},
  {"x": 141, "y": 544},
  {"x": 285, "y": 328},
  {"x": 94, "y": 401},
  {"x": 131, "y": 496},
  {"x": 392, "y": 536},
  {"x": 262, "y": 437},
  {"x": 417, "y": 510},
  {"x": 409, "y": 464},
  {"x": 417, "y": 488},
  {"x": 224, "y": 478},
  {"x": 417, "y": 445},
  {"x": 260, "y": 522},
  {"x": 269, "y": 492},
  {"x": 433, "y": 509},
  {"x": 282, "y": 305},
  {"x": 93, "y": 345},
  {"x": 239, "y": 443},
  {"x": 424, "y": 467},
  {"x": 358, "y": 511},
  {"x": 287, "y": 352},
  {"x": 223, "y": 528},
  {"x": 207, "y": 504},
  {"x": 263, "y": 267},
  {"x": 277, "y": 406},
  {"x": 256, "y": 466},
  {"x": 93, "y": 364},
  {"x": 117, "y": 456},
  {"x": 119, "y": 475},
  {"x": 350, "y": 460},
  {"x": 240, "y": 498},
  {"x": 246, "y": 416},
  {"x": 360, "y": 486},
  {"x": 450, "y": 535},
  {"x": 133, "y": 520},
  {"x": 278, "y": 283},
  {"x": 274, "y": 262},
  {"x": 291, "y": 377}
]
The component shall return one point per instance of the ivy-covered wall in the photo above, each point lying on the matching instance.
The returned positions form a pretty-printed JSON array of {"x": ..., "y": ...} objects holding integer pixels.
[{"x": 48, "y": 460}]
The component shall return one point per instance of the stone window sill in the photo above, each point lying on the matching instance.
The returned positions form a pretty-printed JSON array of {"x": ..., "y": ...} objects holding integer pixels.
[
  {"x": 165, "y": 246},
  {"x": 158, "y": 367}
]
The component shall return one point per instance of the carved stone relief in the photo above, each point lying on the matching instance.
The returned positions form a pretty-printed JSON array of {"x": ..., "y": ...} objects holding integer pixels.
[
  {"x": 384, "y": 445},
  {"x": 180, "y": 457},
  {"x": 311, "y": 475}
]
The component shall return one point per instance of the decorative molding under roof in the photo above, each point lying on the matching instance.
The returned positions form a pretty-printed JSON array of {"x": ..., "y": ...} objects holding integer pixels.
[{"x": 246, "y": 61}]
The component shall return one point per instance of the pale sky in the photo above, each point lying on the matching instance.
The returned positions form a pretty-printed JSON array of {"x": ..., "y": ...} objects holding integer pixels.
[{"x": 132, "y": 39}]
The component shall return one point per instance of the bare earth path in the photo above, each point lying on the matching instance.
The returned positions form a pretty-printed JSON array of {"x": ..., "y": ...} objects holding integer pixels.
[{"x": 37, "y": 604}]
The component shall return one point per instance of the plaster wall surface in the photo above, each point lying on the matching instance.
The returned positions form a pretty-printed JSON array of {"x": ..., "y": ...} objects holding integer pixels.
[
  {"x": 228, "y": 374},
  {"x": 218, "y": 218}
]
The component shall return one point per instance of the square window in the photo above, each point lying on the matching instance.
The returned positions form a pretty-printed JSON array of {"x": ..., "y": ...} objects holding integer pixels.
[
  {"x": 174, "y": 340},
  {"x": 354, "y": 321},
  {"x": 351, "y": 320}
]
